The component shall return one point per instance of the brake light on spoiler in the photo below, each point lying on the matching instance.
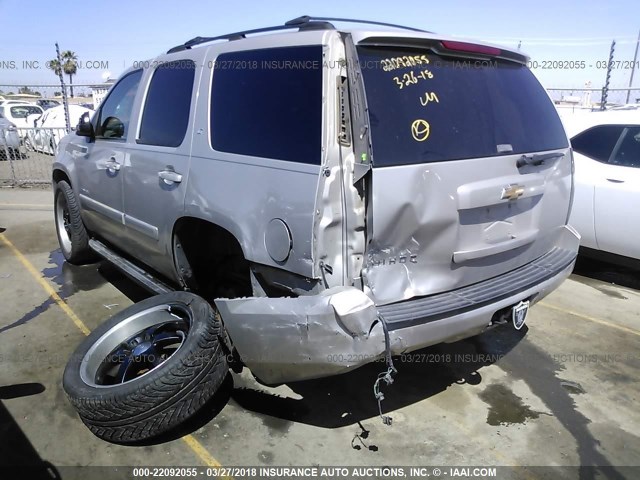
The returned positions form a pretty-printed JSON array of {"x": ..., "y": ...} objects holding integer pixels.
[
  {"x": 471, "y": 48},
  {"x": 452, "y": 48}
]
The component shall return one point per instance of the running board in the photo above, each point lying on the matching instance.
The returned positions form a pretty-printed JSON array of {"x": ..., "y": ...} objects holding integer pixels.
[{"x": 129, "y": 269}]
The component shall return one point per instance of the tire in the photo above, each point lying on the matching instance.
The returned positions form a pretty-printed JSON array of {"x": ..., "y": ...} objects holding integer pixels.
[
  {"x": 72, "y": 234},
  {"x": 139, "y": 406}
]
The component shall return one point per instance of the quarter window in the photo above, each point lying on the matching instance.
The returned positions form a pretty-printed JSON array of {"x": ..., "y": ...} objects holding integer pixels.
[
  {"x": 115, "y": 114},
  {"x": 167, "y": 107},
  {"x": 597, "y": 142},
  {"x": 268, "y": 103}
]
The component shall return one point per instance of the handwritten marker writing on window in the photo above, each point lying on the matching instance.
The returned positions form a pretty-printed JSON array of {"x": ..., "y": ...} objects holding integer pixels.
[
  {"x": 420, "y": 130},
  {"x": 429, "y": 97}
]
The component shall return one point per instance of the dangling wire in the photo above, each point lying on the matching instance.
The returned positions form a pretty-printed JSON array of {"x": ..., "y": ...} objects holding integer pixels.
[{"x": 386, "y": 376}]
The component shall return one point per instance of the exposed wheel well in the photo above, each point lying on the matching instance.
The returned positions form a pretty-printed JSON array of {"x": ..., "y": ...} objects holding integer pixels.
[
  {"x": 59, "y": 175},
  {"x": 210, "y": 260}
]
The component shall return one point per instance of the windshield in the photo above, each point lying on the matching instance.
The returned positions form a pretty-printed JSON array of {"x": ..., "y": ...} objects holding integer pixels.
[{"x": 427, "y": 108}]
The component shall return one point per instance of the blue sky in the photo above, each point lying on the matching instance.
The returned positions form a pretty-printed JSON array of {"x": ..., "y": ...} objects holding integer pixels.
[{"x": 123, "y": 32}]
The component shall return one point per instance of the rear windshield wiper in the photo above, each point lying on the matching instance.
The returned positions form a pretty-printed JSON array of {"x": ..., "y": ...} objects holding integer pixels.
[{"x": 537, "y": 158}]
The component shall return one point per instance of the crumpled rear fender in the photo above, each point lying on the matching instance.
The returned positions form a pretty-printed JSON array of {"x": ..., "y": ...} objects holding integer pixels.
[{"x": 289, "y": 339}]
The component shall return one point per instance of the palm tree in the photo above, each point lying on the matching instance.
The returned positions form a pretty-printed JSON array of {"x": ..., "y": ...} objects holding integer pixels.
[
  {"x": 70, "y": 66},
  {"x": 55, "y": 66}
]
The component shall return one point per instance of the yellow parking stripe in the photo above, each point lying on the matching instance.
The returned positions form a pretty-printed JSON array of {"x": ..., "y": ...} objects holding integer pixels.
[
  {"x": 196, "y": 446},
  {"x": 591, "y": 319},
  {"x": 43, "y": 283}
]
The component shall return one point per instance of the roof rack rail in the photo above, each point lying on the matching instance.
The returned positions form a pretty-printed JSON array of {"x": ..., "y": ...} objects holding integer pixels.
[
  {"x": 302, "y": 23},
  {"x": 306, "y": 19},
  {"x": 301, "y": 26}
]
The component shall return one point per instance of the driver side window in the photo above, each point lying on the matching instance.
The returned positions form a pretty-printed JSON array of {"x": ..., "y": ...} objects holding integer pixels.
[{"x": 115, "y": 111}]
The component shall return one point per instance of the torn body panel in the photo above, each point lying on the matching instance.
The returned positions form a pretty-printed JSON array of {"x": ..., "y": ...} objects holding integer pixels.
[
  {"x": 287, "y": 339},
  {"x": 339, "y": 238}
]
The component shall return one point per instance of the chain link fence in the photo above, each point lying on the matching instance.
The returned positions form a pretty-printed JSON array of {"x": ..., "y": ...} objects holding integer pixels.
[
  {"x": 591, "y": 98},
  {"x": 26, "y": 155},
  {"x": 34, "y": 122}
]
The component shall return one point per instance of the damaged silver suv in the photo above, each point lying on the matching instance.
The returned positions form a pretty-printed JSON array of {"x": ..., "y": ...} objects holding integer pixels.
[{"x": 305, "y": 200}]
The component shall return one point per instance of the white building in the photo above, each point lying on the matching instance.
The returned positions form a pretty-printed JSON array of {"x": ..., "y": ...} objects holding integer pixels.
[{"x": 98, "y": 92}]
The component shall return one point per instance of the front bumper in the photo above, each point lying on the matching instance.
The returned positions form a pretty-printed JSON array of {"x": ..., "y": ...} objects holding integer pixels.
[{"x": 290, "y": 339}]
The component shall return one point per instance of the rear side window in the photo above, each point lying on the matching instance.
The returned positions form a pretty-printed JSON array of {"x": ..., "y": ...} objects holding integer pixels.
[
  {"x": 428, "y": 108},
  {"x": 597, "y": 142},
  {"x": 268, "y": 103},
  {"x": 168, "y": 104}
]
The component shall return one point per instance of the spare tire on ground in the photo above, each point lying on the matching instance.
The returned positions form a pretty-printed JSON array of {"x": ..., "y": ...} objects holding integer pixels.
[{"x": 148, "y": 368}]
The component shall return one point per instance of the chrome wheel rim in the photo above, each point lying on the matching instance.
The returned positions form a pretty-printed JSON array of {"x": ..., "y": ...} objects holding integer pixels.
[
  {"x": 136, "y": 346},
  {"x": 63, "y": 222}
]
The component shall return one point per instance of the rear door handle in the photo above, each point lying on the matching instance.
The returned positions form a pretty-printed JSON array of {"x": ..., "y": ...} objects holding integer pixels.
[
  {"x": 169, "y": 176},
  {"x": 614, "y": 180},
  {"x": 112, "y": 165}
]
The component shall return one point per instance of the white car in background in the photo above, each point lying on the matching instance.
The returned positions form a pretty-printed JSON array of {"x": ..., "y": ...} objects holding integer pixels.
[
  {"x": 606, "y": 205},
  {"x": 50, "y": 127},
  {"x": 18, "y": 113}
]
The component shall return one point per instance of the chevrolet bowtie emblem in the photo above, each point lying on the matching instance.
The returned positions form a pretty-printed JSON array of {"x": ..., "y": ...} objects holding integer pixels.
[{"x": 512, "y": 192}]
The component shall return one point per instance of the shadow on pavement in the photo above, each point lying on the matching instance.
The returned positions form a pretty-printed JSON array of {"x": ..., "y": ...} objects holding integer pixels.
[
  {"x": 346, "y": 399},
  {"x": 609, "y": 269},
  {"x": 18, "y": 457}
]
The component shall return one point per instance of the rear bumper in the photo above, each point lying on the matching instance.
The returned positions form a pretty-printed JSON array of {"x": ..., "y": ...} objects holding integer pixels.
[
  {"x": 289, "y": 339},
  {"x": 445, "y": 305}
]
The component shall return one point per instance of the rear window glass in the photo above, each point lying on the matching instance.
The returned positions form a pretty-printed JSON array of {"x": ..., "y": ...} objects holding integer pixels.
[{"x": 428, "y": 108}]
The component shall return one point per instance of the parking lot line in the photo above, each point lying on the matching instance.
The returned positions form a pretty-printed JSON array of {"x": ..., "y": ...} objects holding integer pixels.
[
  {"x": 43, "y": 283},
  {"x": 591, "y": 319},
  {"x": 193, "y": 444}
]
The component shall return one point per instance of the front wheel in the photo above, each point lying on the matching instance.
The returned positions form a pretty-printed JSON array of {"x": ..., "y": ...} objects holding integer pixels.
[
  {"x": 147, "y": 369},
  {"x": 72, "y": 234}
]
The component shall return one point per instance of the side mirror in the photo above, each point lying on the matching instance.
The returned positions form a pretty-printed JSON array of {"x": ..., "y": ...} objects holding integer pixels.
[
  {"x": 112, "y": 127},
  {"x": 84, "y": 127}
]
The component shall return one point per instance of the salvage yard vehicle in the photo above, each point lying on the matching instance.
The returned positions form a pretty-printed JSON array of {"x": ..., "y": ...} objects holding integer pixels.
[
  {"x": 606, "y": 148},
  {"x": 305, "y": 200},
  {"x": 50, "y": 126},
  {"x": 17, "y": 113}
]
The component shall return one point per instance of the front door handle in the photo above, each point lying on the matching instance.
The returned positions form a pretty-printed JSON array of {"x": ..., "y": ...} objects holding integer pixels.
[
  {"x": 112, "y": 165},
  {"x": 169, "y": 176},
  {"x": 614, "y": 180}
]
